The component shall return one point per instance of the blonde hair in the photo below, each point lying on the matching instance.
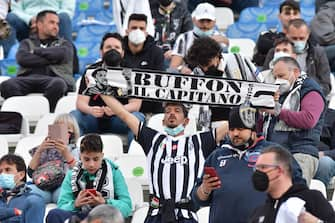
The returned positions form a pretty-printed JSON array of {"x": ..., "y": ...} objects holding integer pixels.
[{"x": 70, "y": 121}]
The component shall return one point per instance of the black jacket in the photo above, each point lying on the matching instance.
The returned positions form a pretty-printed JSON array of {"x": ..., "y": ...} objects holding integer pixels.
[
  {"x": 150, "y": 58},
  {"x": 315, "y": 204}
]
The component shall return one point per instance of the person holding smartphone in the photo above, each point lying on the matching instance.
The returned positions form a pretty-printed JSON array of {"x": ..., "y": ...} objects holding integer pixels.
[
  {"x": 91, "y": 182},
  {"x": 59, "y": 145},
  {"x": 226, "y": 183}
]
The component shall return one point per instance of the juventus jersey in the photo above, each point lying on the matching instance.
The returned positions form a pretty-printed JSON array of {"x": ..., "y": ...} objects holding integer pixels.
[{"x": 174, "y": 163}]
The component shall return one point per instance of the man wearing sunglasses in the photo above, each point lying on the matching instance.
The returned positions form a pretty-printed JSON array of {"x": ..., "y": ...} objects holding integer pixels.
[
  {"x": 287, "y": 202},
  {"x": 231, "y": 191}
]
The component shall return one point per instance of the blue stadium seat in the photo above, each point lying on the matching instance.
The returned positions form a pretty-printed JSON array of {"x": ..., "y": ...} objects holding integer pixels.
[
  {"x": 12, "y": 51},
  {"x": 245, "y": 30},
  {"x": 94, "y": 32},
  {"x": 271, "y": 3},
  {"x": 307, "y": 3},
  {"x": 88, "y": 52},
  {"x": 9, "y": 67},
  {"x": 307, "y": 13},
  {"x": 259, "y": 15}
]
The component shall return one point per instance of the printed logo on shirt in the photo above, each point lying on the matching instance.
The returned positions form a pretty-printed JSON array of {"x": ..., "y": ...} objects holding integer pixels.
[
  {"x": 222, "y": 163},
  {"x": 144, "y": 63},
  {"x": 182, "y": 160}
]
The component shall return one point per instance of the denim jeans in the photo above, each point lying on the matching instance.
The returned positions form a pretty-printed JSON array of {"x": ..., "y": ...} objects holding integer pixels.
[
  {"x": 90, "y": 124},
  {"x": 20, "y": 30},
  {"x": 326, "y": 169},
  {"x": 48, "y": 196}
]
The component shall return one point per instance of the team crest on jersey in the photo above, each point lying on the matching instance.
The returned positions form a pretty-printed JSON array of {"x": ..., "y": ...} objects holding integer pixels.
[{"x": 222, "y": 163}]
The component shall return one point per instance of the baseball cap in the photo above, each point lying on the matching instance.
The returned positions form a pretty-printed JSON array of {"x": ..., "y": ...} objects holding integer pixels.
[
  {"x": 204, "y": 11},
  {"x": 291, "y": 4}
]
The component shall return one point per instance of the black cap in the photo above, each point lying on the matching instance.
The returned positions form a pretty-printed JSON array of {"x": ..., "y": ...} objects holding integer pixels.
[
  {"x": 291, "y": 3},
  {"x": 242, "y": 117}
]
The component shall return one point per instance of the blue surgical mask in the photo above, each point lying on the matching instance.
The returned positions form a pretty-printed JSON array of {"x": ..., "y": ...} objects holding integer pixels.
[
  {"x": 299, "y": 46},
  {"x": 202, "y": 33},
  {"x": 7, "y": 181},
  {"x": 174, "y": 131}
]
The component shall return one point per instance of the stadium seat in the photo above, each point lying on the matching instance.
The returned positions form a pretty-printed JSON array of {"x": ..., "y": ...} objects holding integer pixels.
[
  {"x": 135, "y": 149},
  {"x": 32, "y": 107},
  {"x": 112, "y": 146},
  {"x": 264, "y": 15},
  {"x": 135, "y": 192},
  {"x": 88, "y": 52},
  {"x": 246, "y": 30},
  {"x": 271, "y": 3},
  {"x": 66, "y": 104},
  {"x": 134, "y": 166},
  {"x": 27, "y": 143},
  {"x": 13, "y": 50},
  {"x": 203, "y": 215},
  {"x": 224, "y": 17},
  {"x": 307, "y": 13},
  {"x": 3, "y": 146},
  {"x": 318, "y": 185},
  {"x": 41, "y": 128},
  {"x": 140, "y": 215},
  {"x": 307, "y": 3},
  {"x": 242, "y": 46},
  {"x": 12, "y": 139},
  {"x": 94, "y": 32},
  {"x": 9, "y": 67}
]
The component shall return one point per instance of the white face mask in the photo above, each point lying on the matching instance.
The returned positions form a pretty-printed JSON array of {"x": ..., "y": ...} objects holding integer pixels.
[
  {"x": 136, "y": 36},
  {"x": 284, "y": 85},
  {"x": 280, "y": 54}
]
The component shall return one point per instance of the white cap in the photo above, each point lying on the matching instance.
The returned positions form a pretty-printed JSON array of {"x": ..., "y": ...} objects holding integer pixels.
[{"x": 204, "y": 11}]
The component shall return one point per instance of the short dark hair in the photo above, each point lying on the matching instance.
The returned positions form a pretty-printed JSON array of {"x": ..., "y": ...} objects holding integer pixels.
[
  {"x": 283, "y": 40},
  {"x": 111, "y": 35},
  {"x": 289, "y": 61},
  {"x": 291, "y": 3},
  {"x": 18, "y": 161},
  {"x": 173, "y": 103},
  {"x": 138, "y": 17},
  {"x": 297, "y": 23},
  {"x": 282, "y": 156},
  {"x": 202, "y": 51},
  {"x": 41, "y": 15},
  {"x": 91, "y": 143}
]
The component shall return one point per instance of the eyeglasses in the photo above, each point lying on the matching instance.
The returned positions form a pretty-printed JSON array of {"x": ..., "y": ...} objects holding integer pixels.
[{"x": 265, "y": 166}]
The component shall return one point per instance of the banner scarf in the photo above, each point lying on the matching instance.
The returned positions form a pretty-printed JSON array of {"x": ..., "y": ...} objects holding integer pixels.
[{"x": 163, "y": 86}]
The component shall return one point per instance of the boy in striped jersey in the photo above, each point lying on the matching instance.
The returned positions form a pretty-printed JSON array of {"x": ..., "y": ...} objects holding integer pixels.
[{"x": 175, "y": 160}]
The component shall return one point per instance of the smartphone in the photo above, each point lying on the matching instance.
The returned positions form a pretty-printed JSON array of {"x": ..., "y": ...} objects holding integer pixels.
[
  {"x": 210, "y": 171},
  {"x": 92, "y": 191},
  {"x": 58, "y": 132}
]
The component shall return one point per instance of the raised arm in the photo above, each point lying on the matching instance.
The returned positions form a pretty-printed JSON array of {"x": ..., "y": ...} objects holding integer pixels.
[
  {"x": 221, "y": 132},
  {"x": 119, "y": 110}
]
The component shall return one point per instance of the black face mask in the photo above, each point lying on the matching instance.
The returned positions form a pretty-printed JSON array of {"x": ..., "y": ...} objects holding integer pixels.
[
  {"x": 112, "y": 58},
  {"x": 165, "y": 3},
  {"x": 260, "y": 180},
  {"x": 213, "y": 71}
]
